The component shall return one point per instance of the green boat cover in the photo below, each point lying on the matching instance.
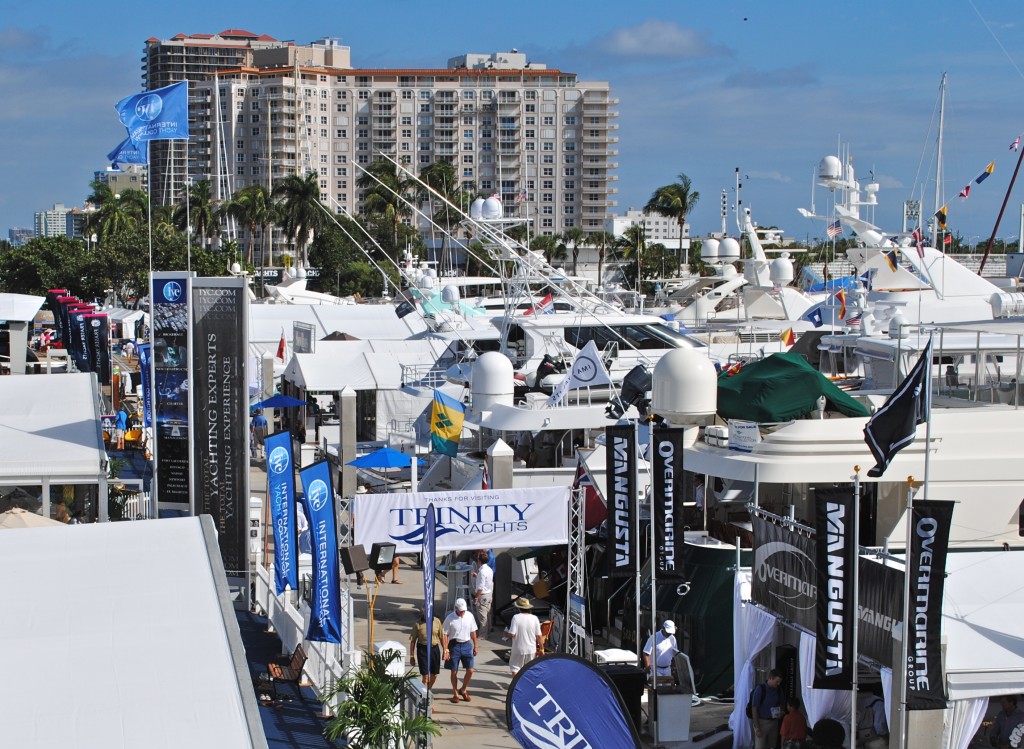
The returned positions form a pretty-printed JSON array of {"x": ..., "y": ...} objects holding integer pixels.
[{"x": 781, "y": 387}]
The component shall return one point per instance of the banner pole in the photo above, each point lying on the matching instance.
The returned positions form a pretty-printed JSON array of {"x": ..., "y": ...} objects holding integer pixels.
[
  {"x": 652, "y": 708},
  {"x": 909, "y": 515},
  {"x": 635, "y": 500},
  {"x": 855, "y": 602}
]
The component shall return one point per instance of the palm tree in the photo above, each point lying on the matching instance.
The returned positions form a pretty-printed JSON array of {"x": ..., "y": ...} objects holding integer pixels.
[
  {"x": 674, "y": 201},
  {"x": 114, "y": 212},
  {"x": 198, "y": 213},
  {"x": 371, "y": 716},
  {"x": 548, "y": 246},
  {"x": 251, "y": 206},
  {"x": 388, "y": 193},
  {"x": 301, "y": 212},
  {"x": 440, "y": 177},
  {"x": 574, "y": 237},
  {"x": 602, "y": 240},
  {"x": 633, "y": 244}
]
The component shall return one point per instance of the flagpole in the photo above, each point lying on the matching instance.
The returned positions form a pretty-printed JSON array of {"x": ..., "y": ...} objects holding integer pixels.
[
  {"x": 634, "y": 482},
  {"x": 654, "y": 591},
  {"x": 904, "y": 642},
  {"x": 855, "y": 601}
]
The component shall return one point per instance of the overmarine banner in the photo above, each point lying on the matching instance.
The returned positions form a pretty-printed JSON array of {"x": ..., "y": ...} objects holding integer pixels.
[
  {"x": 784, "y": 572},
  {"x": 667, "y": 465},
  {"x": 479, "y": 519}
]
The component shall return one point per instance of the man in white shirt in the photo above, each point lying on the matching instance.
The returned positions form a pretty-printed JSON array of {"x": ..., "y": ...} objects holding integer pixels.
[
  {"x": 663, "y": 646},
  {"x": 460, "y": 630},
  {"x": 483, "y": 593},
  {"x": 527, "y": 640}
]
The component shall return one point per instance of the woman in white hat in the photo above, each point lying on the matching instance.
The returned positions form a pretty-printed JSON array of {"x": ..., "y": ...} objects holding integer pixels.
[{"x": 524, "y": 629}]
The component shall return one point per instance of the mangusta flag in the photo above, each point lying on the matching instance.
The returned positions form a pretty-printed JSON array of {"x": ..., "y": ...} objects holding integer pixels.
[
  {"x": 281, "y": 493},
  {"x": 160, "y": 114},
  {"x": 667, "y": 498},
  {"x": 894, "y": 425},
  {"x": 561, "y": 701},
  {"x": 620, "y": 446},
  {"x": 927, "y": 569},
  {"x": 318, "y": 496},
  {"x": 835, "y": 556}
]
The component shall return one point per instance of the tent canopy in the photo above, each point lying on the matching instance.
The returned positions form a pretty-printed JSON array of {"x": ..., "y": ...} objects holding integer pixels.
[
  {"x": 280, "y": 400},
  {"x": 781, "y": 387},
  {"x": 386, "y": 457}
]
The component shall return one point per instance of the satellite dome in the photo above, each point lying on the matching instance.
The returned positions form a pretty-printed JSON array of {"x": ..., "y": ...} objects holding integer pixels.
[
  {"x": 450, "y": 294},
  {"x": 300, "y": 272},
  {"x": 781, "y": 270},
  {"x": 830, "y": 168},
  {"x": 476, "y": 209},
  {"x": 426, "y": 281},
  {"x": 491, "y": 381},
  {"x": 492, "y": 208},
  {"x": 685, "y": 387},
  {"x": 236, "y": 268},
  {"x": 728, "y": 250},
  {"x": 709, "y": 250}
]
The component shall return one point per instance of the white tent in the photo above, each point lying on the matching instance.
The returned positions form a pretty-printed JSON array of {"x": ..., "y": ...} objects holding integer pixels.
[{"x": 122, "y": 635}]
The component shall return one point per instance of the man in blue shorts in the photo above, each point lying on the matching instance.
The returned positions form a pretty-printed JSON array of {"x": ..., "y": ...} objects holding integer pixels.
[{"x": 460, "y": 631}]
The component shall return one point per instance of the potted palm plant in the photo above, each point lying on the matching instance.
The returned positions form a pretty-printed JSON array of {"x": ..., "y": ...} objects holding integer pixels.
[{"x": 368, "y": 714}]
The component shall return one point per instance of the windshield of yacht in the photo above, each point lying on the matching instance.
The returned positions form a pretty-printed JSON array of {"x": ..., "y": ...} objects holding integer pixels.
[{"x": 640, "y": 336}]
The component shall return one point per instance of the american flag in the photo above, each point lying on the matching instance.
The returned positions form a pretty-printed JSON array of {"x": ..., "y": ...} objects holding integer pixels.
[
  {"x": 918, "y": 237},
  {"x": 834, "y": 230},
  {"x": 521, "y": 196}
]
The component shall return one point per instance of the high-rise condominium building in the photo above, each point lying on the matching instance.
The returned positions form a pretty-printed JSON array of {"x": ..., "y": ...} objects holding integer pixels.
[{"x": 541, "y": 139}]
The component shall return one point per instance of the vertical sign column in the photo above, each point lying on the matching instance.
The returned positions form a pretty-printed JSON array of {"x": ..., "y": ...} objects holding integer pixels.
[
  {"x": 220, "y": 413},
  {"x": 169, "y": 295}
]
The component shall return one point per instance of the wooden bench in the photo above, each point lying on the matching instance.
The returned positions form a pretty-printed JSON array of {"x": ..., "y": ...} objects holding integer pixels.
[{"x": 290, "y": 672}]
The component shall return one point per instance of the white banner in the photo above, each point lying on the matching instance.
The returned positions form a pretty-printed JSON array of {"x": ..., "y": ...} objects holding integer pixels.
[
  {"x": 481, "y": 519},
  {"x": 587, "y": 371}
]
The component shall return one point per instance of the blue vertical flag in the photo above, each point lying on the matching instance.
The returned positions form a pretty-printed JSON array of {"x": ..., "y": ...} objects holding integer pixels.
[
  {"x": 281, "y": 494},
  {"x": 446, "y": 419},
  {"x": 127, "y": 153},
  {"x": 894, "y": 425},
  {"x": 318, "y": 496},
  {"x": 429, "y": 554},
  {"x": 160, "y": 114}
]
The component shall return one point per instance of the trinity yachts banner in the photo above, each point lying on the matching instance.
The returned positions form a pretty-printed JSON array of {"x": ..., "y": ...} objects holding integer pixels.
[{"x": 480, "y": 519}]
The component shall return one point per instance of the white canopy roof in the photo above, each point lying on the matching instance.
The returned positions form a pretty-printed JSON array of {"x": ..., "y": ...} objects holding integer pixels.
[
  {"x": 121, "y": 635},
  {"x": 50, "y": 426},
  {"x": 361, "y": 365},
  {"x": 20, "y": 307},
  {"x": 366, "y": 321}
]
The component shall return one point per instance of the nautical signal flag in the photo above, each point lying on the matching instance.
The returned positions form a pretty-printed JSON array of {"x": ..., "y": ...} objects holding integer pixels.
[
  {"x": 834, "y": 229},
  {"x": 965, "y": 193},
  {"x": 892, "y": 258},
  {"x": 813, "y": 316},
  {"x": 984, "y": 175},
  {"x": 940, "y": 216},
  {"x": 948, "y": 239},
  {"x": 543, "y": 307},
  {"x": 446, "y": 417},
  {"x": 788, "y": 337},
  {"x": 1015, "y": 145},
  {"x": 282, "y": 348},
  {"x": 841, "y": 298},
  {"x": 918, "y": 237},
  {"x": 894, "y": 425}
]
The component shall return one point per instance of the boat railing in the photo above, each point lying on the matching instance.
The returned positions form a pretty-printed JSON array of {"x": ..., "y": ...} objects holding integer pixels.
[{"x": 423, "y": 375}]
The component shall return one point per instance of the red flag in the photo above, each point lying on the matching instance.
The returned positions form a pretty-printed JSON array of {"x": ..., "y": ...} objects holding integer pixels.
[
  {"x": 594, "y": 509},
  {"x": 948, "y": 239},
  {"x": 788, "y": 337},
  {"x": 542, "y": 307},
  {"x": 965, "y": 192},
  {"x": 841, "y": 298},
  {"x": 282, "y": 347}
]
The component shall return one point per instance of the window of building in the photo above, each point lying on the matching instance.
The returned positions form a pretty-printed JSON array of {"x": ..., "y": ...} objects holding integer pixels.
[
  {"x": 425, "y": 95},
  {"x": 530, "y": 146},
  {"x": 341, "y": 133},
  {"x": 323, "y": 173},
  {"x": 531, "y": 159},
  {"x": 469, "y": 94},
  {"x": 549, "y": 209},
  {"x": 570, "y": 184},
  {"x": 255, "y": 170},
  {"x": 469, "y": 147},
  {"x": 240, "y": 170},
  {"x": 362, "y": 133},
  {"x": 240, "y": 157},
  {"x": 340, "y": 159},
  {"x": 256, "y": 131},
  {"x": 547, "y": 184},
  {"x": 342, "y": 184},
  {"x": 363, "y": 158},
  {"x": 323, "y": 158},
  {"x": 569, "y": 222},
  {"x": 424, "y": 107},
  {"x": 342, "y": 94},
  {"x": 570, "y": 146},
  {"x": 468, "y": 172},
  {"x": 467, "y": 158},
  {"x": 424, "y": 158},
  {"x": 547, "y": 197},
  {"x": 364, "y": 94},
  {"x": 547, "y": 133},
  {"x": 569, "y": 158},
  {"x": 341, "y": 107},
  {"x": 323, "y": 132},
  {"x": 255, "y": 118},
  {"x": 407, "y": 94},
  {"x": 568, "y": 209},
  {"x": 362, "y": 146},
  {"x": 530, "y": 107},
  {"x": 406, "y": 147},
  {"x": 569, "y": 197},
  {"x": 547, "y": 222},
  {"x": 569, "y": 120},
  {"x": 486, "y": 184},
  {"x": 529, "y": 133},
  {"x": 547, "y": 159},
  {"x": 239, "y": 144}
]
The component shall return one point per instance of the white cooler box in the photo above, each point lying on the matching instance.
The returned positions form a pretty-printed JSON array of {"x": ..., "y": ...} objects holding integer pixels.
[
  {"x": 397, "y": 666},
  {"x": 614, "y": 655}
]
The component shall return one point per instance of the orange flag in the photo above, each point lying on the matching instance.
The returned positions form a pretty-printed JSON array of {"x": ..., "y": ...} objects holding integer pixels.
[{"x": 788, "y": 337}]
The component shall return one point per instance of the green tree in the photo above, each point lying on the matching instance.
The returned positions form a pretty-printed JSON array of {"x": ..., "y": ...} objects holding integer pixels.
[
  {"x": 602, "y": 240},
  {"x": 445, "y": 193},
  {"x": 370, "y": 716},
  {"x": 633, "y": 244},
  {"x": 45, "y": 263},
  {"x": 300, "y": 212},
  {"x": 344, "y": 269},
  {"x": 252, "y": 206},
  {"x": 674, "y": 201},
  {"x": 548, "y": 246},
  {"x": 388, "y": 193},
  {"x": 199, "y": 213},
  {"x": 574, "y": 237},
  {"x": 115, "y": 212}
]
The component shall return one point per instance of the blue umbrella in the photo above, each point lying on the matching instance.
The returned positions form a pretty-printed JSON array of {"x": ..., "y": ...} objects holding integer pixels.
[
  {"x": 279, "y": 400},
  {"x": 384, "y": 458}
]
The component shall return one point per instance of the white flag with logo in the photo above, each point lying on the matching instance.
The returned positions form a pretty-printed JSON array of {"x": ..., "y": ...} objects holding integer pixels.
[{"x": 587, "y": 371}]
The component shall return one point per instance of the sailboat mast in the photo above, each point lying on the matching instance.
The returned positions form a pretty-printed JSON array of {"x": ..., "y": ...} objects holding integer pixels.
[{"x": 938, "y": 158}]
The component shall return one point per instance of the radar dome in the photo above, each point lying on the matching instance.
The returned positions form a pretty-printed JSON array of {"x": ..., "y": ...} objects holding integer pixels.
[
  {"x": 450, "y": 294},
  {"x": 709, "y": 250},
  {"x": 300, "y": 272},
  {"x": 426, "y": 281},
  {"x": 236, "y": 268},
  {"x": 729, "y": 250},
  {"x": 685, "y": 387},
  {"x": 492, "y": 208},
  {"x": 476, "y": 209},
  {"x": 830, "y": 168},
  {"x": 491, "y": 381},
  {"x": 781, "y": 270}
]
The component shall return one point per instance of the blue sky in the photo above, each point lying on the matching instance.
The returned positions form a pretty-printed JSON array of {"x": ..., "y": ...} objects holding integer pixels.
[{"x": 705, "y": 88}]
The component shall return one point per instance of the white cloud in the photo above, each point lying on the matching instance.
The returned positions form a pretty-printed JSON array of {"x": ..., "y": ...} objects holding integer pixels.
[{"x": 659, "y": 39}]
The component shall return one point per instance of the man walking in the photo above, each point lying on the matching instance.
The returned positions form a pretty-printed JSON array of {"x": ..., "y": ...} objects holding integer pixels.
[
  {"x": 527, "y": 640},
  {"x": 660, "y": 649},
  {"x": 766, "y": 707},
  {"x": 460, "y": 631},
  {"x": 483, "y": 593}
]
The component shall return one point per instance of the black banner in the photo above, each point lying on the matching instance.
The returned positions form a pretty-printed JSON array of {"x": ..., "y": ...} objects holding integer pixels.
[
  {"x": 835, "y": 555},
  {"x": 880, "y": 608},
  {"x": 667, "y": 498},
  {"x": 60, "y": 317},
  {"x": 927, "y": 568},
  {"x": 97, "y": 340},
  {"x": 220, "y": 413},
  {"x": 784, "y": 572},
  {"x": 77, "y": 343},
  {"x": 620, "y": 445},
  {"x": 169, "y": 330}
]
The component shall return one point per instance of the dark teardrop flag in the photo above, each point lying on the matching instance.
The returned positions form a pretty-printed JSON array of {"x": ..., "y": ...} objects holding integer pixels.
[
  {"x": 429, "y": 554},
  {"x": 894, "y": 425},
  {"x": 835, "y": 556},
  {"x": 318, "y": 496},
  {"x": 281, "y": 493},
  {"x": 562, "y": 701},
  {"x": 928, "y": 546},
  {"x": 620, "y": 445}
]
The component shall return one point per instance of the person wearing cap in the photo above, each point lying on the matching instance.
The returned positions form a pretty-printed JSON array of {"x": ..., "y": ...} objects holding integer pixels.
[
  {"x": 527, "y": 640},
  {"x": 663, "y": 645},
  {"x": 460, "y": 650}
]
